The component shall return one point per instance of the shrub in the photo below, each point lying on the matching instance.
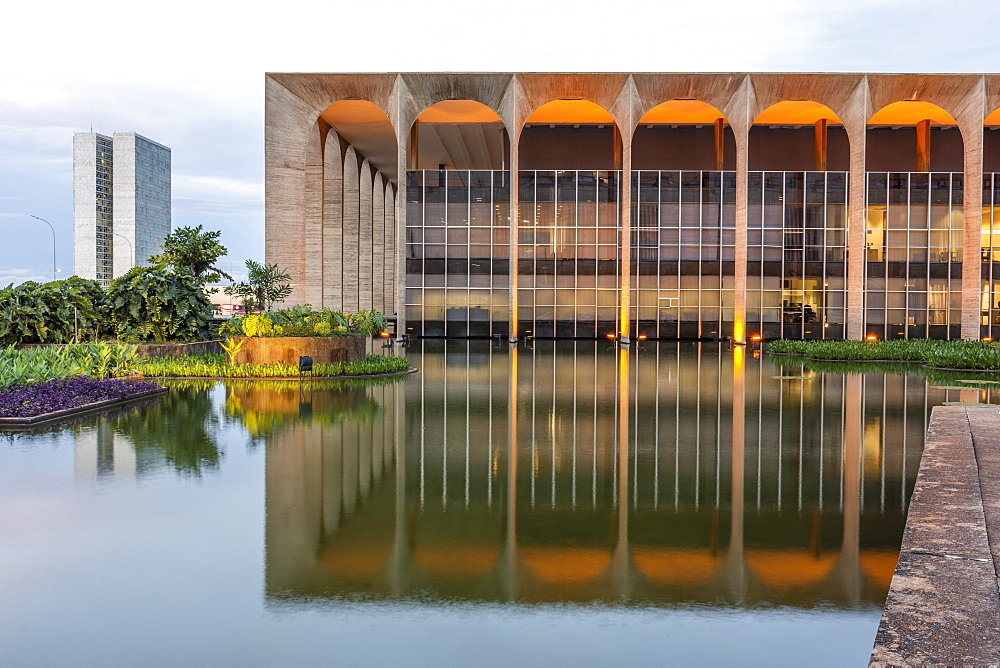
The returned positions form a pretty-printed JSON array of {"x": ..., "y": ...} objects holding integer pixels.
[
  {"x": 158, "y": 304},
  {"x": 215, "y": 366},
  {"x": 304, "y": 321},
  {"x": 55, "y": 312}
]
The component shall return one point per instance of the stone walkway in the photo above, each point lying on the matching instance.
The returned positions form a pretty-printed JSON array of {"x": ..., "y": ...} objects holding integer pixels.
[{"x": 944, "y": 601}]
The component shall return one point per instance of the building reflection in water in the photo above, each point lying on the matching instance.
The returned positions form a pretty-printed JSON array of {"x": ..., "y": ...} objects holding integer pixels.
[{"x": 574, "y": 471}]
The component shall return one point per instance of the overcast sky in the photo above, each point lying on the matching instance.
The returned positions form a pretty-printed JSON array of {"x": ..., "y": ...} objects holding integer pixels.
[{"x": 191, "y": 75}]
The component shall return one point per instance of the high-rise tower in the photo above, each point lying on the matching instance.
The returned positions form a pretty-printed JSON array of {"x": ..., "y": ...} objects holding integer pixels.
[{"x": 121, "y": 202}]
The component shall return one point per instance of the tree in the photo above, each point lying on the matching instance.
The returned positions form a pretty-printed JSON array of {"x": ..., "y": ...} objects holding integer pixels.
[
  {"x": 266, "y": 285},
  {"x": 196, "y": 251}
]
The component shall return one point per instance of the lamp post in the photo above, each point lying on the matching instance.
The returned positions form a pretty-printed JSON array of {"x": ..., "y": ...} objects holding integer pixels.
[
  {"x": 131, "y": 249},
  {"x": 53, "y": 243}
]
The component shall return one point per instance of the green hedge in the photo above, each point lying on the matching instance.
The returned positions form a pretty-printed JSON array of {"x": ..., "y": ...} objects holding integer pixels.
[{"x": 947, "y": 354}]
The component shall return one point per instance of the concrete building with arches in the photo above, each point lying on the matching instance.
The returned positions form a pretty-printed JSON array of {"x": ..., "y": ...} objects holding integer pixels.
[{"x": 662, "y": 205}]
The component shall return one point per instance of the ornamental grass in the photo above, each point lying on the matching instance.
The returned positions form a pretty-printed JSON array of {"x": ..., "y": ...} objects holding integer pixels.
[{"x": 208, "y": 365}]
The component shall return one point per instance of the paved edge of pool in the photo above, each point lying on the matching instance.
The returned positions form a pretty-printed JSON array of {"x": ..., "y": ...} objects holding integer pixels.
[{"x": 943, "y": 605}]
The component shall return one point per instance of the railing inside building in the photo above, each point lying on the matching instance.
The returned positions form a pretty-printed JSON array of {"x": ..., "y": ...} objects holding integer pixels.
[{"x": 683, "y": 251}]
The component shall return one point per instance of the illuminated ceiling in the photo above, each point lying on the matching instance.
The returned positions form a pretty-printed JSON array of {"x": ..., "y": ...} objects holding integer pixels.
[
  {"x": 911, "y": 113},
  {"x": 570, "y": 111},
  {"x": 796, "y": 112},
  {"x": 458, "y": 111},
  {"x": 682, "y": 112},
  {"x": 368, "y": 129}
]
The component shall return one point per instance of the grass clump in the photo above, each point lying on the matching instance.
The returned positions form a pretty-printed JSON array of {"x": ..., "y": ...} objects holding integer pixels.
[
  {"x": 208, "y": 365},
  {"x": 973, "y": 355}
]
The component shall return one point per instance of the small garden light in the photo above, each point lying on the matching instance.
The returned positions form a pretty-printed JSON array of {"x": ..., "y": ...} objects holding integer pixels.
[{"x": 871, "y": 337}]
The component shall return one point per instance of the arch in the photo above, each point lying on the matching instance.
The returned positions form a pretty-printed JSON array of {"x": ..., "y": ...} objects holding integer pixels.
[
  {"x": 911, "y": 112},
  {"x": 900, "y": 137},
  {"x": 367, "y": 128},
  {"x": 798, "y": 135},
  {"x": 458, "y": 134},
  {"x": 570, "y": 133},
  {"x": 378, "y": 243},
  {"x": 991, "y": 142},
  {"x": 683, "y": 134},
  {"x": 797, "y": 112}
]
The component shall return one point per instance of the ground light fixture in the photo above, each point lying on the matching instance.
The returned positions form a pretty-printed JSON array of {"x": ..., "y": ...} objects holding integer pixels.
[
  {"x": 987, "y": 339},
  {"x": 871, "y": 337},
  {"x": 305, "y": 365}
]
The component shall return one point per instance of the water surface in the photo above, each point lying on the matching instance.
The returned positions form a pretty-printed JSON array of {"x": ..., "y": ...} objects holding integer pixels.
[{"x": 554, "y": 503}]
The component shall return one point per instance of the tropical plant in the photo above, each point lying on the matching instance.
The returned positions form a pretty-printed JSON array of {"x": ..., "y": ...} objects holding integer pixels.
[
  {"x": 265, "y": 285},
  {"x": 191, "y": 249},
  {"x": 158, "y": 303},
  {"x": 232, "y": 347},
  {"x": 56, "y": 312},
  {"x": 304, "y": 321}
]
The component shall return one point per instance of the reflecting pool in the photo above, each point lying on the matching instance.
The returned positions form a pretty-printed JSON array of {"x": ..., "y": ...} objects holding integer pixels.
[{"x": 557, "y": 502}]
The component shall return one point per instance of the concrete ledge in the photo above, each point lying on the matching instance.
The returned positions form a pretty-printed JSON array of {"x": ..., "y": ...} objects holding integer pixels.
[{"x": 943, "y": 605}]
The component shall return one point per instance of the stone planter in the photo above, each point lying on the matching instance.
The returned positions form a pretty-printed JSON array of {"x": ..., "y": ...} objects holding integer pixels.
[{"x": 288, "y": 349}]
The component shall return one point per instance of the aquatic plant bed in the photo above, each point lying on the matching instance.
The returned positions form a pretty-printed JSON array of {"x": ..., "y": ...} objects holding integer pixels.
[
  {"x": 52, "y": 400},
  {"x": 215, "y": 366},
  {"x": 957, "y": 355}
]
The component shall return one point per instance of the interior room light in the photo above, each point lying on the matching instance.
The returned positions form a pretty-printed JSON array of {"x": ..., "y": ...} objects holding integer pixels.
[
  {"x": 611, "y": 335},
  {"x": 756, "y": 338},
  {"x": 384, "y": 334}
]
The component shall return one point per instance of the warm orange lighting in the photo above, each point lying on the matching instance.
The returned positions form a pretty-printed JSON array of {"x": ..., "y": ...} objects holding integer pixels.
[
  {"x": 739, "y": 334},
  {"x": 993, "y": 119},
  {"x": 796, "y": 112},
  {"x": 570, "y": 111},
  {"x": 611, "y": 335},
  {"x": 458, "y": 111},
  {"x": 682, "y": 112},
  {"x": 871, "y": 337},
  {"x": 642, "y": 337},
  {"x": 910, "y": 113},
  {"x": 756, "y": 338},
  {"x": 987, "y": 339},
  {"x": 384, "y": 335}
]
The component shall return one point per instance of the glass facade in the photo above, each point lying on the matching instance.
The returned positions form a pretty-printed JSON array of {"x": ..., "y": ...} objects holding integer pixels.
[
  {"x": 913, "y": 240},
  {"x": 568, "y": 253},
  {"x": 796, "y": 254},
  {"x": 457, "y": 252},
  {"x": 990, "y": 276},
  {"x": 683, "y": 253}
]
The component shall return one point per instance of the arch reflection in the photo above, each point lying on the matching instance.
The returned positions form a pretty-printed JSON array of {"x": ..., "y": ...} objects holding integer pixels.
[{"x": 578, "y": 472}]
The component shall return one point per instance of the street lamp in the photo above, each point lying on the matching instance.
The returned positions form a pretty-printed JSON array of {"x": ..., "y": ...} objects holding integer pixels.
[
  {"x": 53, "y": 243},
  {"x": 131, "y": 250}
]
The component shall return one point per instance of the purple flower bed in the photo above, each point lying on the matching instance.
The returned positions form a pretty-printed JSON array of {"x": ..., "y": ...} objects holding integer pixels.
[{"x": 56, "y": 395}]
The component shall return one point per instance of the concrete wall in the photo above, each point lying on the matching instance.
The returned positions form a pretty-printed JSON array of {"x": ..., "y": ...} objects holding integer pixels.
[{"x": 294, "y": 103}]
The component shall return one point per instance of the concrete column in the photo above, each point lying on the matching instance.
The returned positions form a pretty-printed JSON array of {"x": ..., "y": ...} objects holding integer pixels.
[
  {"x": 855, "y": 124},
  {"x": 313, "y": 239},
  {"x": 512, "y": 276},
  {"x": 742, "y": 135},
  {"x": 333, "y": 223},
  {"x": 626, "y": 240},
  {"x": 821, "y": 145},
  {"x": 365, "y": 241},
  {"x": 378, "y": 243},
  {"x": 351, "y": 230},
  {"x": 399, "y": 220},
  {"x": 923, "y": 146},
  {"x": 720, "y": 144},
  {"x": 970, "y": 123},
  {"x": 389, "y": 251}
]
